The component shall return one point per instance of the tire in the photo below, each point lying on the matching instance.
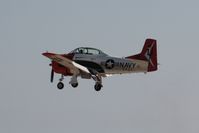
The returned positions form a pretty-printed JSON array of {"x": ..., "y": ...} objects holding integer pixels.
[
  {"x": 74, "y": 85},
  {"x": 98, "y": 87},
  {"x": 60, "y": 85}
]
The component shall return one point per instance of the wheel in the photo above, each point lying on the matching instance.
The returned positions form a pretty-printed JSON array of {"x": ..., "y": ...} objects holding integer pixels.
[
  {"x": 74, "y": 85},
  {"x": 98, "y": 87},
  {"x": 60, "y": 85}
]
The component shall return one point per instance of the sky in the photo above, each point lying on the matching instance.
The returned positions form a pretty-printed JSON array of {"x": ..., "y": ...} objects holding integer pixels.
[{"x": 163, "y": 101}]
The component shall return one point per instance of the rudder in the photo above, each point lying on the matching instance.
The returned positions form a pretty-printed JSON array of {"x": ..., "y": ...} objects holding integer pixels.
[{"x": 148, "y": 53}]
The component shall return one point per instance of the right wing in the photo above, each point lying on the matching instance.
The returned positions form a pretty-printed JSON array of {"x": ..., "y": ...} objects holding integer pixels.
[{"x": 73, "y": 66}]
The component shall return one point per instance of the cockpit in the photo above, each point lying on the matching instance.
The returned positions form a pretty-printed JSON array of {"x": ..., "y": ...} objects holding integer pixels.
[{"x": 88, "y": 51}]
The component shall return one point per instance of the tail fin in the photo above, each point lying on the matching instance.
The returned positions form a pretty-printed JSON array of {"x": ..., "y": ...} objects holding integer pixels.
[{"x": 148, "y": 53}]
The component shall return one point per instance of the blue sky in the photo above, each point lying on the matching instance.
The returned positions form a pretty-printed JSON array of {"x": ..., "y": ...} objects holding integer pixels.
[{"x": 163, "y": 101}]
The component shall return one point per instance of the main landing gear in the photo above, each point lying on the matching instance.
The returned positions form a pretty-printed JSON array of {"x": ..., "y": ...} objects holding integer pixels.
[
  {"x": 74, "y": 85},
  {"x": 74, "y": 82},
  {"x": 98, "y": 86},
  {"x": 98, "y": 82}
]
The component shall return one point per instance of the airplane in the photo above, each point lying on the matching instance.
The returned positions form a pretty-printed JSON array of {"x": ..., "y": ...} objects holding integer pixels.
[{"x": 92, "y": 63}]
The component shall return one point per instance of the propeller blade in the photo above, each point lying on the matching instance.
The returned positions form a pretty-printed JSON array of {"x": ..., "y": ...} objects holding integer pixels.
[{"x": 52, "y": 76}]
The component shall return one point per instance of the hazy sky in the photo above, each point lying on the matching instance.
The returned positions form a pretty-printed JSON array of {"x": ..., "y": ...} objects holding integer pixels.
[{"x": 165, "y": 101}]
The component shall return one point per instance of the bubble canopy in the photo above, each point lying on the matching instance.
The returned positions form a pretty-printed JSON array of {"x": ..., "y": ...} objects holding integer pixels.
[{"x": 89, "y": 51}]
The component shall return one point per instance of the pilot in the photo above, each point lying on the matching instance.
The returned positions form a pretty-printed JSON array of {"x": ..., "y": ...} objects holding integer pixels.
[{"x": 81, "y": 51}]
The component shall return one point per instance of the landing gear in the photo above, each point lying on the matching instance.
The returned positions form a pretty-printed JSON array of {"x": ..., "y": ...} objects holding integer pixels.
[
  {"x": 73, "y": 81},
  {"x": 60, "y": 85},
  {"x": 98, "y": 82},
  {"x": 74, "y": 85},
  {"x": 98, "y": 86}
]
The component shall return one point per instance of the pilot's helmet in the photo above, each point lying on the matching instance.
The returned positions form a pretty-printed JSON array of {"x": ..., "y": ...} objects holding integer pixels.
[{"x": 81, "y": 51}]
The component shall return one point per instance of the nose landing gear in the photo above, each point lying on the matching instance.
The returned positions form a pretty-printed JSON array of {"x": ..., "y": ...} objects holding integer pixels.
[{"x": 60, "y": 85}]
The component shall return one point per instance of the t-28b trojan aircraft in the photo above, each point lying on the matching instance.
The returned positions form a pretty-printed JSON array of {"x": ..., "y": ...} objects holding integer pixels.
[{"x": 91, "y": 63}]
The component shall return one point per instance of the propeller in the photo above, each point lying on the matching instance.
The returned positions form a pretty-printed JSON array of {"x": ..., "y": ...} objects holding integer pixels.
[{"x": 52, "y": 76}]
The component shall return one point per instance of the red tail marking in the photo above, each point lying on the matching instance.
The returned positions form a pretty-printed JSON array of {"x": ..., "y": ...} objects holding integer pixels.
[{"x": 148, "y": 53}]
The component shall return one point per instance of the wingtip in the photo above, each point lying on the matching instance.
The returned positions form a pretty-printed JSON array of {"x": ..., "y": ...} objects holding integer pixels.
[{"x": 47, "y": 54}]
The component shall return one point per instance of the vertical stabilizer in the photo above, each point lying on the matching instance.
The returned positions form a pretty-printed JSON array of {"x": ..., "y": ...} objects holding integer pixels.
[{"x": 148, "y": 53}]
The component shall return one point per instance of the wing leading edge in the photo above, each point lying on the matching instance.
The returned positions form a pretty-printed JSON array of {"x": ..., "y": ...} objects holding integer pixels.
[{"x": 74, "y": 67}]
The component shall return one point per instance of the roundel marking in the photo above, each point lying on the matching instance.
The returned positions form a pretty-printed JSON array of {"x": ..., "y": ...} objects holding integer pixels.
[{"x": 109, "y": 64}]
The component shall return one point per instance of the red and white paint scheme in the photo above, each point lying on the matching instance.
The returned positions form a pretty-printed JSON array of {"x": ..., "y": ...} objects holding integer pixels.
[{"x": 91, "y": 63}]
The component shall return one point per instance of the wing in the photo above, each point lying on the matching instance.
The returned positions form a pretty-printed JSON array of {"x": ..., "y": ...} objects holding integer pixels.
[{"x": 74, "y": 67}]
